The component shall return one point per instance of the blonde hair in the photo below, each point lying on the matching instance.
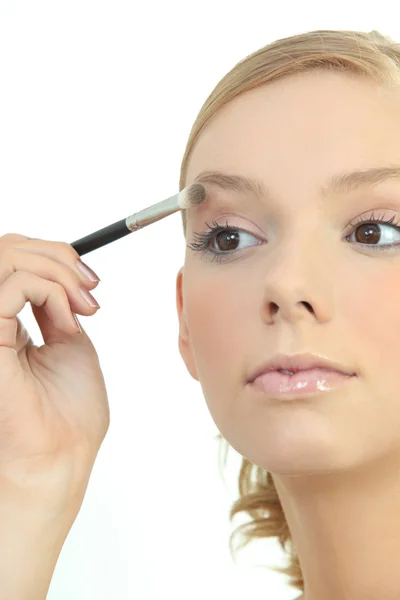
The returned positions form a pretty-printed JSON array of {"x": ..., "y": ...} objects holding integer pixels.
[{"x": 371, "y": 55}]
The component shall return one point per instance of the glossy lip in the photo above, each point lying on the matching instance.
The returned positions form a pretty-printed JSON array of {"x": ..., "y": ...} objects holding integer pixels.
[{"x": 299, "y": 362}]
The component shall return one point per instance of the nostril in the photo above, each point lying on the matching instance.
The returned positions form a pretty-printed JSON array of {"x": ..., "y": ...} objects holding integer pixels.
[
  {"x": 274, "y": 308},
  {"x": 308, "y": 306}
]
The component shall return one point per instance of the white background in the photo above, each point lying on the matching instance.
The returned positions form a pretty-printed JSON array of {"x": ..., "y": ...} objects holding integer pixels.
[{"x": 97, "y": 98}]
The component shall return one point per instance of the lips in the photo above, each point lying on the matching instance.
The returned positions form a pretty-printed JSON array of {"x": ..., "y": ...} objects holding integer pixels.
[
  {"x": 300, "y": 362},
  {"x": 303, "y": 384}
]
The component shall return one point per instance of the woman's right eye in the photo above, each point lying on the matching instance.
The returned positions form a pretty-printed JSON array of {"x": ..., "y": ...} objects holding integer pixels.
[{"x": 228, "y": 235}]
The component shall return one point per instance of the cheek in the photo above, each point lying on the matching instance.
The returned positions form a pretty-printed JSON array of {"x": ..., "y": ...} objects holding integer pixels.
[
  {"x": 218, "y": 309},
  {"x": 373, "y": 321}
]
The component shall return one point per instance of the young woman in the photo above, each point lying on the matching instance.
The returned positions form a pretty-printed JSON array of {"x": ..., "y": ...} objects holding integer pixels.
[{"x": 292, "y": 267}]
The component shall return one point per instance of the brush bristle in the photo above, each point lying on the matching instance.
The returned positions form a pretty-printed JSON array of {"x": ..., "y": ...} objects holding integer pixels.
[{"x": 193, "y": 195}]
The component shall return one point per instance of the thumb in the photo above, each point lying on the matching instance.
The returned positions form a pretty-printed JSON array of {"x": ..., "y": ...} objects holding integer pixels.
[{"x": 50, "y": 332}]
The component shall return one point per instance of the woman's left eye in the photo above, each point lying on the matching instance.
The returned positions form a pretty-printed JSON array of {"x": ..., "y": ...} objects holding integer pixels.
[
  {"x": 229, "y": 236},
  {"x": 370, "y": 229}
]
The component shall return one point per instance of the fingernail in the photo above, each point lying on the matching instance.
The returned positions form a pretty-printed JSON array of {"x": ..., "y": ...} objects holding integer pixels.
[
  {"x": 89, "y": 298},
  {"x": 87, "y": 271},
  {"x": 77, "y": 323}
]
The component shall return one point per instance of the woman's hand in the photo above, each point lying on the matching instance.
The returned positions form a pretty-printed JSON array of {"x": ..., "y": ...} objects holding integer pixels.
[{"x": 54, "y": 411}]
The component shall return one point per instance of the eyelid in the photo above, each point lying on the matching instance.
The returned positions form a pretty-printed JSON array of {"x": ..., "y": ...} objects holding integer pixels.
[
  {"x": 224, "y": 217},
  {"x": 376, "y": 214}
]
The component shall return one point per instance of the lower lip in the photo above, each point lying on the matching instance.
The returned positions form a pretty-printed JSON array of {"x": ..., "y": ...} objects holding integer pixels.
[{"x": 302, "y": 383}]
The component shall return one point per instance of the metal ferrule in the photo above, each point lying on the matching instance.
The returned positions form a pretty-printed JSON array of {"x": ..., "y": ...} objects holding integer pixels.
[{"x": 153, "y": 213}]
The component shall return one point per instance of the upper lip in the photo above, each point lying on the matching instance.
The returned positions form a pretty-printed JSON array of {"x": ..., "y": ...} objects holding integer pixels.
[{"x": 298, "y": 362}]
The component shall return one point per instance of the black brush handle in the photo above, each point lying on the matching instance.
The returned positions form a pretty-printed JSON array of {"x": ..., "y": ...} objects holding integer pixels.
[{"x": 102, "y": 237}]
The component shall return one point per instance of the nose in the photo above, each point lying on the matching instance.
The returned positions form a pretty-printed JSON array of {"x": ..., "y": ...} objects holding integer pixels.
[{"x": 298, "y": 283}]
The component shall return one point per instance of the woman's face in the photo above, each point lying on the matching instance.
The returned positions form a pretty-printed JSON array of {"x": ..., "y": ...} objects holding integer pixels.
[{"x": 292, "y": 136}]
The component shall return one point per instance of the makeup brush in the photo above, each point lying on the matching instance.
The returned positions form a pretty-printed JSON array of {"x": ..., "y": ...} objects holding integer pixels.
[{"x": 189, "y": 197}]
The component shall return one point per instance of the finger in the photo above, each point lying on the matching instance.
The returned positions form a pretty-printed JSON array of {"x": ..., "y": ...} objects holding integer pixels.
[
  {"x": 56, "y": 320},
  {"x": 50, "y": 333},
  {"x": 23, "y": 339},
  {"x": 59, "y": 251},
  {"x": 15, "y": 258}
]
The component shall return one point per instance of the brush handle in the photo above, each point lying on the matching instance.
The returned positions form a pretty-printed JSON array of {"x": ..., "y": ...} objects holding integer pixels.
[
  {"x": 102, "y": 237},
  {"x": 117, "y": 230}
]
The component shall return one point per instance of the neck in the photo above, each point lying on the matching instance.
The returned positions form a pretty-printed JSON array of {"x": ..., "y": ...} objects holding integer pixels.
[{"x": 345, "y": 527}]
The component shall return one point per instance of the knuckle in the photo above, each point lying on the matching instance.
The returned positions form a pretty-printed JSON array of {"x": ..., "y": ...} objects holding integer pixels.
[
  {"x": 13, "y": 237},
  {"x": 69, "y": 250},
  {"x": 17, "y": 275},
  {"x": 19, "y": 280},
  {"x": 68, "y": 277},
  {"x": 6, "y": 261},
  {"x": 6, "y": 242}
]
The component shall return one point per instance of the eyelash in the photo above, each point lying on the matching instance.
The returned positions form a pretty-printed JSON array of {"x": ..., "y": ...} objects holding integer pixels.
[{"x": 203, "y": 239}]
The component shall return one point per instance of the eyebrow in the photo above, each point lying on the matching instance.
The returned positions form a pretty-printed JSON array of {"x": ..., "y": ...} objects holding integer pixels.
[{"x": 340, "y": 183}]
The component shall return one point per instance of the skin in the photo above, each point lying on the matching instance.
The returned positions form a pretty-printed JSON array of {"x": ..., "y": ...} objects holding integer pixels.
[{"x": 335, "y": 457}]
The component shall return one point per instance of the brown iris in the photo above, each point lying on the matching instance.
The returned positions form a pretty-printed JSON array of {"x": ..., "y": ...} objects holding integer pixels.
[
  {"x": 371, "y": 233},
  {"x": 228, "y": 238}
]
